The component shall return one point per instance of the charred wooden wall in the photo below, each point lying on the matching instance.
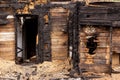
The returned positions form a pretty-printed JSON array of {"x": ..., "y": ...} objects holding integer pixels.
[
  {"x": 96, "y": 52},
  {"x": 88, "y": 15}
]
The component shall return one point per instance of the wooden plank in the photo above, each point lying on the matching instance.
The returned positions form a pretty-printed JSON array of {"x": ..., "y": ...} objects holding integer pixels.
[
  {"x": 101, "y": 34},
  {"x": 116, "y": 49},
  {"x": 93, "y": 9},
  {"x": 58, "y": 42},
  {"x": 99, "y": 16},
  {"x": 63, "y": 14},
  {"x": 7, "y": 48},
  {"x": 59, "y": 28},
  {"x": 95, "y": 22},
  {"x": 58, "y": 9},
  {"x": 57, "y": 33},
  {"x": 59, "y": 54},
  {"x": 115, "y": 59},
  {"x": 7, "y": 41},
  {"x": 64, "y": 36},
  {"x": 95, "y": 67},
  {"x": 58, "y": 47},
  {"x": 98, "y": 41},
  {"x": 58, "y": 23},
  {"x": 98, "y": 50}
]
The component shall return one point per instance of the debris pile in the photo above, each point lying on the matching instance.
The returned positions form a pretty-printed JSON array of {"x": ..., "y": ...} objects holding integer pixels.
[
  {"x": 29, "y": 71},
  {"x": 55, "y": 70}
]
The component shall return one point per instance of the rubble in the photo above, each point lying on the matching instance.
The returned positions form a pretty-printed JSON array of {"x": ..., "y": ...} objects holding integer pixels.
[
  {"x": 30, "y": 71},
  {"x": 55, "y": 70}
]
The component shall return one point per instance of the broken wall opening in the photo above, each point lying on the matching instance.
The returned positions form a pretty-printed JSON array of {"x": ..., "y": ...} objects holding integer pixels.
[
  {"x": 27, "y": 37},
  {"x": 94, "y": 48}
]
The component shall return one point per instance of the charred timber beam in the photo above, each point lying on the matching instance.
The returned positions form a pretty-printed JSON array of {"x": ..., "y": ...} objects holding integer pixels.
[
  {"x": 111, "y": 30},
  {"x": 50, "y": 6},
  {"x": 3, "y": 21},
  {"x": 44, "y": 44},
  {"x": 12, "y": 4},
  {"x": 95, "y": 22},
  {"x": 75, "y": 36},
  {"x": 92, "y": 15}
]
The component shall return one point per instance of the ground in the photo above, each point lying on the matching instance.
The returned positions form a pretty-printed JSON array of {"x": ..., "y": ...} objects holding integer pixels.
[{"x": 47, "y": 71}]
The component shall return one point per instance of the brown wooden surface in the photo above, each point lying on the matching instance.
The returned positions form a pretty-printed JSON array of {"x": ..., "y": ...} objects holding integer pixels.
[
  {"x": 102, "y": 52},
  {"x": 59, "y": 38},
  {"x": 7, "y": 41},
  {"x": 95, "y": 67}
]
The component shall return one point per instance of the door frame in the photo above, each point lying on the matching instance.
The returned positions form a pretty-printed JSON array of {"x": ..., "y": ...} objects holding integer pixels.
[{"x": 17, "y": 25}]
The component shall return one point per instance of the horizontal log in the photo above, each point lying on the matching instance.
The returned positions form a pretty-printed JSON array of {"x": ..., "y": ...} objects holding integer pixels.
[
  {"x": 4, "y": 5},
  {"x": 115, "y": 34},
  {"x": 7, "y": 42},
  {"x": 59, "y": 54},
  {"x": 64, "y": 37},
  {"x": 8, "y": 56},
  {"x": 4, "y": 29},
  {"x": 58, "y": 9},
  {"x": 58, "y": 23},
  {"x": 99, "y": 16},
  {"x": 54, "y": 24},
  {"x": 58, "y": 33},
  {"x": 95, "y": 22},
  {"x": 58, "y": 47},
  {"x": 98, "y": 41},
  {"x": 96, "y": 55},
  {"x": 101, "y": 34},
  {"x": 92, "y": 9},
  {"x": 116, "y": 49},
  {"x": 62, "y": 50},
  {"x": 95, "y": 67},
  {"x": 59, "y": 43},
  {"x": 63, "y": 14},
  {"x": 7, "y": 45},
  {"x": 59, "y": 28},
  {"x": 98, "y": 50},
  {"x": 116, "y": 38},
  {"x": 12, "y": 48},
  {"x": 59, "y": 58}
]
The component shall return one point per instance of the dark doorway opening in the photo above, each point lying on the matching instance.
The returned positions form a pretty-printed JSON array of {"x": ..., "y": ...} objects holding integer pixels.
[
  {"x": 26, "y": 38},
  {"x": 30, "y": 31}
]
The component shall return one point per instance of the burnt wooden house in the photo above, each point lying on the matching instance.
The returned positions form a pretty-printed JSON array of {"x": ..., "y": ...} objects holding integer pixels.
[{"x": 87, "y": 33}]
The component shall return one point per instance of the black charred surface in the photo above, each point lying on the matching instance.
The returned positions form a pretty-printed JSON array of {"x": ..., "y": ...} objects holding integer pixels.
[{"x": 91, "y": 45}]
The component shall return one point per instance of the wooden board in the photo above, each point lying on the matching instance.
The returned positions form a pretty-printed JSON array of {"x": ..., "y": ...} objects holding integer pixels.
[
  {"x": 95, "y": 67},
  {"x": 7, "y": 41},
  {"x": 59, "y": 38},
  {"x": 115, "y": 59}
]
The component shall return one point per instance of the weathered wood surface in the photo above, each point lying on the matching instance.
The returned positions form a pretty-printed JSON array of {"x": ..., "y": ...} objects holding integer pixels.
[
  {"x": 102, "y": 52},
  {"x": 116, "y": 40},
  {"x": 95, "y": 67},
  {"x": 7, "y": 41},
  {"x": 58, "y": 36},
  {"x": 100, "y": 15}
]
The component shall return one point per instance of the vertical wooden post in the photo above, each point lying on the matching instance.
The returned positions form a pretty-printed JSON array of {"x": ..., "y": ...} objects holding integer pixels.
[{"x": 111, "y": 29}]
